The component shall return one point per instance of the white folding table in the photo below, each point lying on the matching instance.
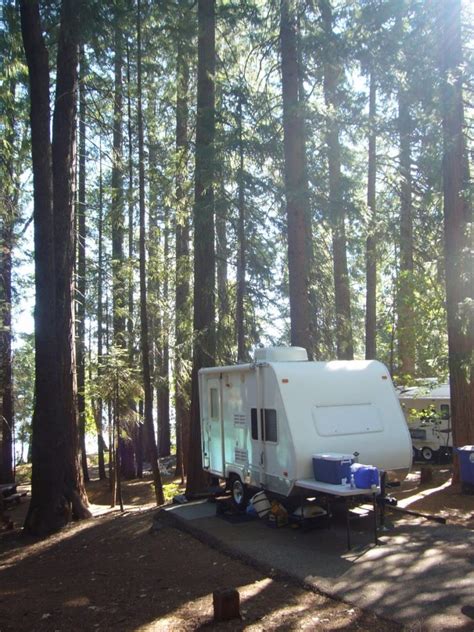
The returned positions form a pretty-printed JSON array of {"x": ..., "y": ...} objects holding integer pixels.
[{"x": 342, "y": 491}]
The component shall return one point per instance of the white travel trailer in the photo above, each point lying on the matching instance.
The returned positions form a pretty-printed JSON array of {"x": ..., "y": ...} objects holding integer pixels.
[
  {"x": 428, "y": 413},
  {"x": 304, "y": 408}
]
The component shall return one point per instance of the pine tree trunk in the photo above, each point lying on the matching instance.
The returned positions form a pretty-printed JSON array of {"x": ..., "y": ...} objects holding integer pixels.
[
  {"x": 154, "y": 269},
  {"x": 136, "y": 434},
  {"x": 164, "y": 430},
  {"x": 130, "y": 216},
  {"x": 145, "y": 348},
  {"x": 6, "y": 409},
  {"x": 130, "y": 320},
  {"x": 155, "y": 278},
  {"x": 56, "y": 475},
  {"x": 100, "y": 317},
  {"x": 296, "y": 186},
  {"x": 81, "y": 270},
  {"x": 183, "y": 271},
  {"x": 63, "y": 163},
  {"x": 46, "y": 484},
  {"x": 8, "y": 190},
  {"x": 315, "y": 301},
  {"x": 405, "y": 295},
  {"x": 332, "y": 70},
  {"x": 117, "y": 208},
  {"x": 204, "y": 233},
  {"x": 457, "y": 228},
  {"x": 242, "y": 347},
  {"x": 370, "y": 248},
  {"x": 223, "y": 339}
]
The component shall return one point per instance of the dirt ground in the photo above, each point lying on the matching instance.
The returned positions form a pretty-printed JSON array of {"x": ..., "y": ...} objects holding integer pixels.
[
  {"x": 438, "y": 498},
  {"x": 115, "y": 572}
]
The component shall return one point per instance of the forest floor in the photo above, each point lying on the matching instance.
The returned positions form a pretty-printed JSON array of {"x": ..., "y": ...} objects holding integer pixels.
[{"x": 115, "y": 572}]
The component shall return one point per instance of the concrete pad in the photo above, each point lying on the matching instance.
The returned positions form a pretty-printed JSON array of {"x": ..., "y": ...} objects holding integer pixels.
[{"x": 422, "y": 574}]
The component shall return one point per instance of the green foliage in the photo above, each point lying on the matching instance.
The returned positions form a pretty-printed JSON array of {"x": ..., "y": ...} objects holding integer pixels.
[
  {"x": 170, "y": 490},
  {"x": 396, "y": 42},
  {"x": 118, "y": 383},
  {"x": 23, "y": 389}
]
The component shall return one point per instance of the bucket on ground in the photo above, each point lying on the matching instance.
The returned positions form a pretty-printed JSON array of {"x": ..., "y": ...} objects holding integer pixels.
[
  {"x": 261, "y": 504},
  {"x": 466, "y": 462}
]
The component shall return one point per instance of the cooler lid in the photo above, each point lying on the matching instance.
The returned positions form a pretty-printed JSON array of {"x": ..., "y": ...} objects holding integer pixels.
[{"x": 333, "y": 456}]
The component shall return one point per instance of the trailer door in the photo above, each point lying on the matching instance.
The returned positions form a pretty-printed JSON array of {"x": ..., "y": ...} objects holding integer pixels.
[{"x": 213, "y": 425}]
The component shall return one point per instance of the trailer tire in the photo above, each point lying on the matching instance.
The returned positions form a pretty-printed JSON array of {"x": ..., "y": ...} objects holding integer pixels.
[
  {"x": 427, "y": 454},
  {"x": 239, "y": 492}
]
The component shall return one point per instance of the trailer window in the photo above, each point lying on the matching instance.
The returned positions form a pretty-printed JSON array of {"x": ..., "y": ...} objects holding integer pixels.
[
  {"x": 253, "y": 414},
  {"x": 214, "y": 403},
  {"x": 270, "y": 425},
  {"x": 269, "y": 432},
  {"x": 444, "y": 408},
  {"x": 418, "y": 433}
]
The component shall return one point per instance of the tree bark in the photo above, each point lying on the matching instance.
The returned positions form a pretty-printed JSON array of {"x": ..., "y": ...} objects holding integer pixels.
[
  {"x": 183, "y": 270},
  {"x": 130, "y": 196},
  {"x": 136, "y": 432},
  {"x": 405, "y": 294},
  {"x": 44, "y": 515},
  {"x": 296, "y": 185},
  {"x": 117, "y": 208},
  {"x": 224, "y": 328},
  {"x": 100, "y": 318},
  {"x": 81, "y": 270},
  {"x": 332, "y": 73},
  {"x": 145, "y": 347},
  {"x": 315, "y": 301},
  {"x": 204, "y": 233},
  {"x": 57, "y": 489},
  {"x": 457, "y": 228},
  {"x": 9, "y": 187},
  {"x": 163, "y": 389},
  {"x": 6, "y": 410},
  {"x": 371, "y": 242},
  {"x": 156, "y": 271},
  {"x": 242, "y": 346},
  {"x": 63, "y": 163}
]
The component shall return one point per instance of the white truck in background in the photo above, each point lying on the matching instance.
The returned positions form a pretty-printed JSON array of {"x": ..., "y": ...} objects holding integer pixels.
[{"x": 427, "y": 409}]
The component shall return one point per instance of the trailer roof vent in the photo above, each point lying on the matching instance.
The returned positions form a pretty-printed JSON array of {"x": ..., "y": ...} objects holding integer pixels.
[{"x": 281, "y": 354}]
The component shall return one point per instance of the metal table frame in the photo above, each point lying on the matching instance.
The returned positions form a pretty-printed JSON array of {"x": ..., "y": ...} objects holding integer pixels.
[{"x": 342, "y": 491}]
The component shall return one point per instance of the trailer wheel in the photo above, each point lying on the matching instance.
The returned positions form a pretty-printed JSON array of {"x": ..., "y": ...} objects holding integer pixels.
[
  {"x": 239, "y": 493},
  {"x": 427, "y": 454}
]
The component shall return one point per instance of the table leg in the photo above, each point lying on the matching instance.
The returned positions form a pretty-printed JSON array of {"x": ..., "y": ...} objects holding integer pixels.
[
  {"x": 375, "y": 520},
  {"x": 348, "y": 526},
  {"x": 382, "y": 504}
]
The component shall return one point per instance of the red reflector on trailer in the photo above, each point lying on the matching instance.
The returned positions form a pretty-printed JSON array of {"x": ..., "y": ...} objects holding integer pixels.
[{"x": 285, "y": 380}]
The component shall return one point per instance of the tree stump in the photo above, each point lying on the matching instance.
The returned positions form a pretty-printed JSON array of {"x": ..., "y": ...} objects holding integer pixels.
[
  {"x": 226, "y": 604},
  {"x": 426, "y": 475}
]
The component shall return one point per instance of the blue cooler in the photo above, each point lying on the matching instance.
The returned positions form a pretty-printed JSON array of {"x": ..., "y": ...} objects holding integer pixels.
[
  {"x": 466, "y": 462},
  {"x": 332, "y": 467},
  {"x": 365, "y": 475}
]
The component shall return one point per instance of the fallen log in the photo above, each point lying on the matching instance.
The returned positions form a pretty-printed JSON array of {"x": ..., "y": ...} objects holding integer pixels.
[{"x": 419, "y": 514}]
